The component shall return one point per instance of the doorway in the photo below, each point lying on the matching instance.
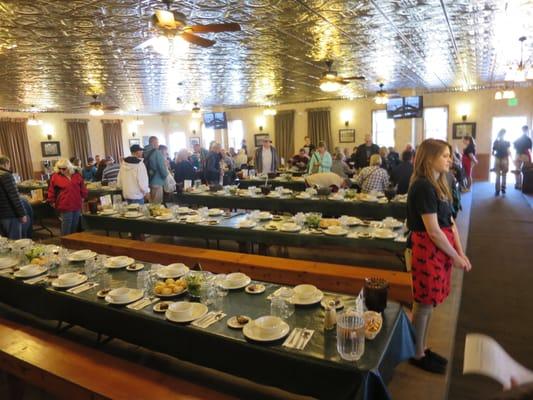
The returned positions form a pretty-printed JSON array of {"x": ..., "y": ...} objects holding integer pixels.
[{"x": 513, "y": 127}]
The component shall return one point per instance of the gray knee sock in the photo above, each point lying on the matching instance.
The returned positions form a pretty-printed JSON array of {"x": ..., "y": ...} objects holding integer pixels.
[{"x": 421, "y": 316}]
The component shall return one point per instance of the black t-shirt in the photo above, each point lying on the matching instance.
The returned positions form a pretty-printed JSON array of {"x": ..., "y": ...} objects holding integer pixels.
[
  {"x": 470, "y": 149},
  {"x": 522, "y": 144},
  {"x": 500, "y": 149},
  {"x": 422, "y": 199}
]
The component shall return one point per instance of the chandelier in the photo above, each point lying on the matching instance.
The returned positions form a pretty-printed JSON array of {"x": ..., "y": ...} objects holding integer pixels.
[
  {"x": 196, "y": 111},
  {"x": 523, "y": 70}
]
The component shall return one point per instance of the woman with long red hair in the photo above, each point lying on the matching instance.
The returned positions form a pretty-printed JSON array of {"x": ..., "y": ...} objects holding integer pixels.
[{"x": 435, "y": 243}]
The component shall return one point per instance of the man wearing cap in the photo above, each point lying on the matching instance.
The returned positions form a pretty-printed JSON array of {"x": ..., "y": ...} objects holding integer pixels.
[
  {"x": 133, "y": 178},
  {"x": 266, "y": 158}
]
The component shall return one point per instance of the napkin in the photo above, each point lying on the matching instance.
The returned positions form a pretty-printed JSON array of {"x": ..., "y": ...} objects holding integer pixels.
[
  {"x": 209, "y": 319},
  {"x": 142, "y": 303},
  {"x": 82, "y": 288},
  {"x": 299, "y": 338},
  {"x": 35, "y": 280}
]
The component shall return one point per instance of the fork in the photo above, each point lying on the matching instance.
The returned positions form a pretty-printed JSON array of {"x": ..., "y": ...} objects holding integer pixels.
[{"x": 305, "y": 335}]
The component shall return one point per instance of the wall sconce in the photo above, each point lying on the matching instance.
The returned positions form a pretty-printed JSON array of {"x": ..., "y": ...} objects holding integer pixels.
[
  {"x": 48, "y": 131},
  {"x": 346, "y": 116},
  {"x": 260, "y": 123},
  {"x": 464, "y": 111},
  {"x": 194, "y": 131},
  {"x": 260, "y": 128},
  {"x": 49, "y": 136},
  {"x": 133, "y": 134}
]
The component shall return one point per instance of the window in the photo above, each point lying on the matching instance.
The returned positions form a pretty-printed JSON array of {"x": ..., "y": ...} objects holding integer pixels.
[
  {"x": 208, "y": 135},
  {"x": 382, "y": 129},
  {"x": 235, "y": 134},
  {"x": 177, "y": 142},
  {"x": 436, "y": 123}
]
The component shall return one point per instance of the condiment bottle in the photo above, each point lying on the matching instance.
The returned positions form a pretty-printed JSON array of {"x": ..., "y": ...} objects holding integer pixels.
[{"x": 330, "y": 318}]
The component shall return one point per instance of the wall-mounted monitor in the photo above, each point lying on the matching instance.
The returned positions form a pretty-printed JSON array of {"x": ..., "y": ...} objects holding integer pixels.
[
  {"x": 215, "y": 120},
  {"x": 405, "y": 107}
]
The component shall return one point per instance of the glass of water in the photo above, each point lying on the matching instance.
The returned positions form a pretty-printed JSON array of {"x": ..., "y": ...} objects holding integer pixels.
[{"x": 350, "y": 334}]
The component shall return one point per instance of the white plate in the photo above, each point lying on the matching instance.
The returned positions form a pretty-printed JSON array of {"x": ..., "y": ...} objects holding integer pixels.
[
  {"x": 264, "y": 216},
  {"x": 79, "y": 281},
  {"x": 250, "y": 331},
  {"x": 303, "y": 196},
  {"x": 157, "y": 306},
  {"x": 183, "y": 210},
  {"x": 369, "y": 199},
  {"x": 168, "y": 296},
  {"x": 198, "y": 311},
  {"x": 133, "y": 214},
  {"x": 194, "y": 219},
  {"x": 214, "y": 212},
  {"x": 246, "y": 225},
  {"x": 274, "y": 195},
  {"x": 392, "y": 224},
  {"x": 326, "y": 300},
  {"x": 22, "y": 242},
  {"x": 228, "y": 286},
  {"x": 118, "y": 262},
  {"x": 232, "y": 322},
  {"x": 289, "y": 228},
  {"x": 387, "y": 235},
  {"x": 166, "y": 217},
  {"x": 175, "y": 270},
  {"x": 108, "y": 212},
  {"x": 352, "y": 221},
  {"x": 259, "y": 288},
  {"x": 8, "y": 262},
  {"x": 364, "y": 235},
  {"x": 319, "y": 295},
  {"x": 34, "y": 270},
  {"x": 135, "y": 267},
  {"x": 134, "y": 295},
  {"x": 340, "y": 232},
  {"x": 81, "y": 255}
]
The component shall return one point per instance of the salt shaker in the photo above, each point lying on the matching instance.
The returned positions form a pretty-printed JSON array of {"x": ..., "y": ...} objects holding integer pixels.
[{"x": 330, "y": 318}]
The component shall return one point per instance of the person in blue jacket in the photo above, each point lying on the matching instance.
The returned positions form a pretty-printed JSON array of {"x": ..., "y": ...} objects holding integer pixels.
[{"x": 157, "y": 170}]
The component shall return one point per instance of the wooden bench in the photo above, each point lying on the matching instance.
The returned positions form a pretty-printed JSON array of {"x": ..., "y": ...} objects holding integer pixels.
[
  {"x": 326, "y": 276},
  {"x": 69, "y": 370}
]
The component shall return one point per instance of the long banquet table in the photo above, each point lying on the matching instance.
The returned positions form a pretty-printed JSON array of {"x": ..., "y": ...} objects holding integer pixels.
[
  {"x": 331, "y": 208},
  {"x": 93, "y": 193},
  {"x": 316, "y": 371},
  {"x": 297, "y": 184},
  {"x": 227, "y": 229}
]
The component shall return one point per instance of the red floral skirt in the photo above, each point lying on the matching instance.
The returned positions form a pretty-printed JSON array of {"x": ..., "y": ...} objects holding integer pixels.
[
  {"x": 431, "y": 268},
  {"x": 467, "y": 165}
]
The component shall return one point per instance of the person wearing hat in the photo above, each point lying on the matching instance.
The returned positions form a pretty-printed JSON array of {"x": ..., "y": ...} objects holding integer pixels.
[
  {"x": 133, "y": 178},
  {"x": 266, "y": 158}
]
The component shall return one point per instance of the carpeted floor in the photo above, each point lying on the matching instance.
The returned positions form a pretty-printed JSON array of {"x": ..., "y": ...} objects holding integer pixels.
[{"x": 497, "y": 297}]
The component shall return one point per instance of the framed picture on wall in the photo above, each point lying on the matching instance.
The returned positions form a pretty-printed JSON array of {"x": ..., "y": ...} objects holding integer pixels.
[
  {"x": 347, "y": 135},
  {"x": 194, "y": 140},
  {"x": 134, "y": 141},
  {"x": 462, "y": 129},
  {"x": 259, "y": 137},
  {"x": 50, "y": 149}
]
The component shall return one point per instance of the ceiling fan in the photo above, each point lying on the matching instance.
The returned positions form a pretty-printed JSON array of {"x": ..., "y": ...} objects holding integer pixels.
[
  {"x": 97, "y": 108},
  {"x": 170, "y": 24},
  {"x": 331, "y": 82},
  {"x": 382, "y": 96}
]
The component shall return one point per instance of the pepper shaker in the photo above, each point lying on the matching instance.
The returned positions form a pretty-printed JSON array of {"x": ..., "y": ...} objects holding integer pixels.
[{"x": 330, "y": 318}]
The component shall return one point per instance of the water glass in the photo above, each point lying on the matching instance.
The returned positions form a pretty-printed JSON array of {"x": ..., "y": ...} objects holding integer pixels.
[
  {"x": 90, "y": 268},
  {"x": 143, "y": 281},
  {"x": 350, "y": 335},
  {"x": 104, "y": 280},
  {"x": 281, "y": 305}
]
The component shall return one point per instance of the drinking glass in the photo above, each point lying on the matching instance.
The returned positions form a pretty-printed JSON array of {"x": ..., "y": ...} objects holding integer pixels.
[
  {"x": 104, "y": 280},
  {"x": 281, "y": 305},
  {"x": 350, "y": 335},
  {"x": 143, "y": 280},
  {"x": 90, "y": 268}
]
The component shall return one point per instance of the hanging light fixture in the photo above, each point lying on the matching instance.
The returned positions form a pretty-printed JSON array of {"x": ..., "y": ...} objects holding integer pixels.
[
  {"x": 269, "y": 111},
  {"x": 330, "y": 86},
  {"x": 33, "y": 121},
  {"x": 138, "y": 121},
  {"x": 196, "y": 111},
  {"x": 523, "y": 70},
  {"x": 381, "y": 96}
]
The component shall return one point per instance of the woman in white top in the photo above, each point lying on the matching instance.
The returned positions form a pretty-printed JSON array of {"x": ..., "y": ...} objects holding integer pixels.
[{"x": 373, "y": 177}]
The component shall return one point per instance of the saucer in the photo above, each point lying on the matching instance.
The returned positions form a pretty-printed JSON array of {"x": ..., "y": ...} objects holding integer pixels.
[
  {"x": 118, "y": 262},
  {"x": 246, "y": 225},
  {"x": 231, "y": 286},
  {"x": 198, "y": 311},
  {"x": 8, "y": 262},
  {"x": 289, "y": 228},
  {"x": 133, "y": 214},
  {"x": 133, "y": 295},
  {"x": 326, "y": 300},
  {"x": 175, "y": 270},
  {"x": 318, "y": 296},
  {"x": 135, "y": 267},
  {"x": 157, "y": 307},
  {"x": 81, "y": 255},
  {"x": 255, "y": 288},
  {"x": 340, "y": 232},
  {"x": 250, "y": 331},
  {"x": 34, "y": 270},
  {"x": 165, "y": 217},
  {"x": 215, "y": 212},
  {"x": 233, "y": 323},
  {"x": 78, "y": 281}
]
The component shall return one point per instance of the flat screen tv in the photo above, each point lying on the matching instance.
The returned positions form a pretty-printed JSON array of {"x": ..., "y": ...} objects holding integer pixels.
[
  {"x": 215, "y": 120},
  {"x": 405, "y": 107}
]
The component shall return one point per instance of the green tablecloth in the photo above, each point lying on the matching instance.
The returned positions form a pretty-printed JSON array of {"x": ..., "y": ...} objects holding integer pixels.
[
  {"x": 327, "y": 207},
  {"x": 297, "y": 184},
  {"x": 317, "y": 371},
  {"x": 228, "y": 229}
]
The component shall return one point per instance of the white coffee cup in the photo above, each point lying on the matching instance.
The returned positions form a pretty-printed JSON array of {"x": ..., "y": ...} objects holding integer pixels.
[
  {"x": 180, "y": 309},
  {"x": 68, "y": 278},
  {"x": 305, "y": 291},
  {"x": 119, "y": 294},
  {"x": 236, "y": 278},
  {"x": 267, "y": 325}
]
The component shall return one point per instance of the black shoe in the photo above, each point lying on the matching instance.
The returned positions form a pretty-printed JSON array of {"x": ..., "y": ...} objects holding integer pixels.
[
  {"x": 428, "y": 364},
  {"x": 503, "y": 190},
  {"x": 497, "y": 193},
  {"x": 437, "y": 357}
]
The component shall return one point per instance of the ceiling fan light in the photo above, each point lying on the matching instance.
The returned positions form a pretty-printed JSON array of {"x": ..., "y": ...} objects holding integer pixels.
[
  {"x": 328, "y": 86},
  {"x": 381, "y": 98},
  {"x": 96, "y": 112}
]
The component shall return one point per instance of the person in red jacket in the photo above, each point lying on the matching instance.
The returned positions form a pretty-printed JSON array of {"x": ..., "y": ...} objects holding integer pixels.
[{"x": 66, "y": 193}]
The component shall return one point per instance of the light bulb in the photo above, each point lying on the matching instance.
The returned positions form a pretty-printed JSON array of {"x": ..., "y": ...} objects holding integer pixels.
[
  {"x": 96, "y": 112},
  {"x": 328, "y": 86}
]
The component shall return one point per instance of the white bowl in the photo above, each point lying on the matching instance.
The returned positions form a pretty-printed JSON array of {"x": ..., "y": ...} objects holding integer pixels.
[
  {"x": 181, "y": 309},
  {"x": 119, "y": 294},
  {"x": 305, "y": 291},
  {"x": 68, "y": 278},
  {"x": 268, "y": 325},
  {"x": 236, "y": 278}
]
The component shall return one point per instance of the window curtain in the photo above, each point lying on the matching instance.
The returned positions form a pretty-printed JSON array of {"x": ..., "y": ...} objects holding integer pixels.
[
  {"x": 78, "y": 134},
  {"x": 113, "y": 138},
  {"x": 14, "y": 144},
  {"x": 284, "y": 133},
  {"x": 319, "y": 127}
]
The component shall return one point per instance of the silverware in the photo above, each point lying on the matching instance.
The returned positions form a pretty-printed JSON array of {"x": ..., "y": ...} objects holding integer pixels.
[
  {"x": 296, "y": 338},
  {"x": 303, "y": 338},
  {"x": 212, "y": 319},
  {"x": 290, "y": 337},
  {"x": 200, "y": 320}
]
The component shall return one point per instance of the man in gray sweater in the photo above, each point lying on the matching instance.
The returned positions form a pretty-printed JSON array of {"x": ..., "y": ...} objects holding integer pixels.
[{"x": 12, "y": 213}]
